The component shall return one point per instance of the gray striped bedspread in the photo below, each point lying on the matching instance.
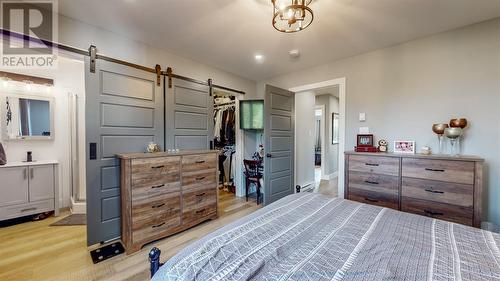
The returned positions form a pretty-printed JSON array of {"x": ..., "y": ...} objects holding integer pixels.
[{"x": 314, "y": 237}]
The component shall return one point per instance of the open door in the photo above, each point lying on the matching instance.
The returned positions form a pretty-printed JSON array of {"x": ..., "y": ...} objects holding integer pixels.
[
  {"x": 279, "y": 144},
  {"x": 189, "y": 109},
  {"x": 123, "y": 112}
]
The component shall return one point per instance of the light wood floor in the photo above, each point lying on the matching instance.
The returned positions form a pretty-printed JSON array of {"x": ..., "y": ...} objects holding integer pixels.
[{"x": 37, "y": 251}]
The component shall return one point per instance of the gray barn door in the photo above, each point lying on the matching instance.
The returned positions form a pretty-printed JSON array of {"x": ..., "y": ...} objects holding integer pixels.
[
  {"x": 189, "y": 116},
  {"x": 279, "y": 144},
  {"x": 123, "y": 113}
]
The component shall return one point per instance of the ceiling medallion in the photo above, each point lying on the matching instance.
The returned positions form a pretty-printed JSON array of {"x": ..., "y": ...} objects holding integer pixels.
[{"x": 291, "y": 15}]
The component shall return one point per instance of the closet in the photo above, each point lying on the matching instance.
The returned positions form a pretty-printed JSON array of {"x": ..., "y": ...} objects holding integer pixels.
[{"x": 225, "y": 138}]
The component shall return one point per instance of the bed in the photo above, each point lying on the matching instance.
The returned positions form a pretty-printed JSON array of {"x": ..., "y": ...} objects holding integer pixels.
[{"x": 309, "y": 236}]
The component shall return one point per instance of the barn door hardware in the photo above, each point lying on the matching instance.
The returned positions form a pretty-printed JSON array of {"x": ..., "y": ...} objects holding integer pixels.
[
  {"x": 169, "y": 74},
  {"x": 93, "y": 57},
  {"x": 210, "y": 85},
  {"x": 158, "y": 74}
]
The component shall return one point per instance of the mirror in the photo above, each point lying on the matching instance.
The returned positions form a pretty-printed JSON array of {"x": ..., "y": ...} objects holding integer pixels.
[{"x": 28, "y": 118}]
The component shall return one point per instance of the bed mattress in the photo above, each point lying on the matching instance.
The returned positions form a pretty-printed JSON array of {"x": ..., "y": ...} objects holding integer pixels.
[{"x": 315, "y": 237}]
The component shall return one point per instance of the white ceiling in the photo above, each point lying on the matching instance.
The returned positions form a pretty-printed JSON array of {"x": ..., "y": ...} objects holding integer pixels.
[{"x": 228, "y": 33}]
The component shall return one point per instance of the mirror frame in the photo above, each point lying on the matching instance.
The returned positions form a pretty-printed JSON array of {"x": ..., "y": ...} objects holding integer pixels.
[{"x": 3, "y": 111}]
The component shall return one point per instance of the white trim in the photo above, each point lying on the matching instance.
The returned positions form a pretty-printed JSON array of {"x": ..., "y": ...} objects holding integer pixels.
[
  {"x": 341, "y": 82},
  {"x": 78, "y": 207}
]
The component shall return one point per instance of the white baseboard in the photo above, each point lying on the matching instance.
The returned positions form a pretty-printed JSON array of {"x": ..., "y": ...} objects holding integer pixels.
[
  {"x": 486, "y": 225},
  {"x": 78, "y": 207},
  {"x": 331, "y": 176}
]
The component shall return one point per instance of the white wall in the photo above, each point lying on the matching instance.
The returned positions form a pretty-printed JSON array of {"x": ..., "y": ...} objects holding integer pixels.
[
  {"x": 330, "y": 151},
  {"x": 406, "y": 88},
  {"x": 304, "y": 138},
  {"x": 68, "y": 78}
]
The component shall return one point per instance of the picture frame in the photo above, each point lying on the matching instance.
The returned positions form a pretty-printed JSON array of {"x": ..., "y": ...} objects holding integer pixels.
[
  {"x": 407, "y": 147},
  {"x": 335, "y": 128},
  {"x": 364, "y": 140}
]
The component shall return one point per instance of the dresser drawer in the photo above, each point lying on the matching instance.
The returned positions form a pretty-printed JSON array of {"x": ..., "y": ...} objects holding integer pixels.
[
  {"x": 31, "y": 208},
  {"x": 199, "y": 179},
  {"x": 442, "y": 192},
  {"x": 192, "y": 163},
  {"x": 154, "y": 189},
  {"x": 435, "y": 210},
  {"x": 374, "y": 164},
  {"x": 145, "y": 211},
  {"x": 374, "y": 198},
  {"x": 439, "y": 170},
  {"x": 374, "y": 182},
  {"x": 198, "y": 214},
  {"x": 159, "y": 227},
  {"x": 196, "y": 199},
  {"x": 149, "y": 168}
]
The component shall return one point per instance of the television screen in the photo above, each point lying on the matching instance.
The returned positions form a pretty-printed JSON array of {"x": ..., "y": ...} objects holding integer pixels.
[{"x": 252, "y": 114}]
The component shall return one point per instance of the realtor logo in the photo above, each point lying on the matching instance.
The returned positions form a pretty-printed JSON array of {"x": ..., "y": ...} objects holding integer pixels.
[{"x": 29, "y": 28}]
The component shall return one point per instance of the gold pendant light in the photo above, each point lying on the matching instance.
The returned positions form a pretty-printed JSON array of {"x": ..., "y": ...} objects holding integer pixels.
[{"x": 291, "y": 15}]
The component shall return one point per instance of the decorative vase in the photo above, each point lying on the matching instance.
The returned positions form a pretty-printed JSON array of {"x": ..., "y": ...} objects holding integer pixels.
[
  {"x": 439, "y": 130},
  {"x": 454, "y": 134},
  {"x": 458, "y": 123}
]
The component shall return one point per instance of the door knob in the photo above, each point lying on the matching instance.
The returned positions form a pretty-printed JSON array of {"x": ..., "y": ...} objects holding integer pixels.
[{"x": 269, "y": 155}]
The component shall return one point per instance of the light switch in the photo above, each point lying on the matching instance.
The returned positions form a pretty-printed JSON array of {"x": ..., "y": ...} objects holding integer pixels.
[
  {"x": 362, "y": 117},
  {"x": 364, "y": 130}
]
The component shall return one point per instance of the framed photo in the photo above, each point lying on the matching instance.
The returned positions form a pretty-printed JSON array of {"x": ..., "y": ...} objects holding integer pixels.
[
  {"x": 404, "y": 147},
  {"x": 365, "y": 141},
  {"x": 335, "y": 128}
]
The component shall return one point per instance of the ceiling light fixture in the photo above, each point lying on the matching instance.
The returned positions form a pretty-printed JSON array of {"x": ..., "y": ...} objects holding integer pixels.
[
  {"x": 259, "y": 57},
  {"x": 292, "y": 15}
]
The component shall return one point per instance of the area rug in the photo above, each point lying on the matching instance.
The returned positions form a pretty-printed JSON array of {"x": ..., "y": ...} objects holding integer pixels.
[{"x": 74, "y": 219}]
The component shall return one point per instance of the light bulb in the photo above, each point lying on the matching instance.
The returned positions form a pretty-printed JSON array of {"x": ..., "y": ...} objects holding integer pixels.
[{"x": 28, "y": 86}]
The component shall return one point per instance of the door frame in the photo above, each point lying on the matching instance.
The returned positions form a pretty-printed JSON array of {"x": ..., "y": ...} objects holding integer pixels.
[{"x": 341, "y": 82}]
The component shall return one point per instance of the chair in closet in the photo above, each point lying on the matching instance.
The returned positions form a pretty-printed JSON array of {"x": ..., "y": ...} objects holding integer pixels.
[{"x": 253, "y": 175}]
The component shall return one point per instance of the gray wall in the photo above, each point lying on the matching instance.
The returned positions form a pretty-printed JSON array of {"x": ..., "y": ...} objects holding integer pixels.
[{"x": 406, "y": 88}]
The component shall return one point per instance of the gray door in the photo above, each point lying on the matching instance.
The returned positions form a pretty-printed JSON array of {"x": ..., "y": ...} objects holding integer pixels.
[
  {"x": 123, "y": 113},
  {"x": 279, "y": 144},
  {"x": 189, "y": 116}
]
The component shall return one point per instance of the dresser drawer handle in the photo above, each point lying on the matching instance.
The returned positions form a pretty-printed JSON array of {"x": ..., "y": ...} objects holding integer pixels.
[
  {"x": 371, "y": 200},
  {"x": 433, "y": 191},
  {"x": 200, "y": 211},
  {"x": 200, "y": 162},
  {"x": 372, "y": 182},
  {"x": 28, "y": 209},
  {"x": 431, "y": 213},
  {"x": 199, "y": 178},
  {"x": 434, "y": 170},
  {"x": 158, "y": 186},
  {"x": 372, "y": 164},
  {"x": 158, "y": 167},
  {"x": 158, "y": 206},
  {"x": 201, "y": 194},
  {"x": 158, "y": 225}
]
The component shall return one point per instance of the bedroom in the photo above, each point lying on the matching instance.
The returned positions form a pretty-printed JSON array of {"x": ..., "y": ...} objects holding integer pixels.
[{"x": 399, "y": 68}]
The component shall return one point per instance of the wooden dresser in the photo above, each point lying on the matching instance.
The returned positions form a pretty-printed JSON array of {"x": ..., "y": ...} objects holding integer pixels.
[
  {"x": 438, "y": 186},
  {"x": 165, "y": 193}
]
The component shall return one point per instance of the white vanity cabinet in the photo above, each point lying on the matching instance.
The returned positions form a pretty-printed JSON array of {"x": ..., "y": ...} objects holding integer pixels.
[{"x": 28, "y": 188}]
